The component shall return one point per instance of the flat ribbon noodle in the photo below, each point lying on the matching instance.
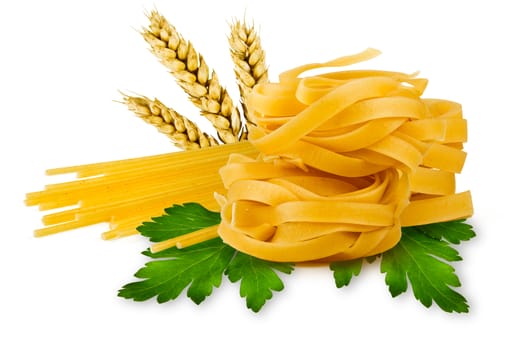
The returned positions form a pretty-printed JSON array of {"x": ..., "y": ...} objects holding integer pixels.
[{"x": 346, "y": 159}]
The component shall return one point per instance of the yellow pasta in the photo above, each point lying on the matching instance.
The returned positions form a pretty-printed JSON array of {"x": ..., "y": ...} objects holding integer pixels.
[
  {"x": 336, "y": 164},
  {"x": 368, "y": 156},
  {"x": 126, "y": 193}
]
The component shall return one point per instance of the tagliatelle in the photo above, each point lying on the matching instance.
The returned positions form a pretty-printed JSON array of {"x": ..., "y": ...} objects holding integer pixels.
[
  {"x": 301, "y": 214},
  {"x": 367, "y": 153}
]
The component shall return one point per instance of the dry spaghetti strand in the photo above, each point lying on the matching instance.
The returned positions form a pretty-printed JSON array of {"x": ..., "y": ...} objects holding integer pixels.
[{"x": 126, "y": 193}]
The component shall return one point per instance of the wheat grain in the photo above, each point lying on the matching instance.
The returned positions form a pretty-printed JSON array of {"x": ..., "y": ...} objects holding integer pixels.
[
  {"x": 194, "y": 76},
  {"x": 182, "y": 131},
  {"x": 249, "y": 61}
]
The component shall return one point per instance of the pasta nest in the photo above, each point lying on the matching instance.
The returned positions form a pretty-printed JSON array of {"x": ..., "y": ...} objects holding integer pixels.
[{"x": 346, "y": 159}]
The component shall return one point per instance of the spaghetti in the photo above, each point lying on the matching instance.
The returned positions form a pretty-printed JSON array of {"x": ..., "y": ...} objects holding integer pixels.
[{"x": 126, "y": 193}]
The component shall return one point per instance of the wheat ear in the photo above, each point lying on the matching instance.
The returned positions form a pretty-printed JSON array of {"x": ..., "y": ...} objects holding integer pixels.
[
  {"x": 248, "y": 59},
  {"x": 193, "y": 75},
  {"x": 182, "y": 131}
]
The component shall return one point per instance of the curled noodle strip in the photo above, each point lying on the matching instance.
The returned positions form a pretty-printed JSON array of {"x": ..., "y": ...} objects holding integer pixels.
[
  {"x": 311, "y": 215},
  {"x": 347, "y": 159}
]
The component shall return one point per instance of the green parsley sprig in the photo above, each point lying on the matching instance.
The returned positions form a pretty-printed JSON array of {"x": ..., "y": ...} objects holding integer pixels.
[
  {"x": 421, "y": 258},
  {"x": 200, "y": 267}
]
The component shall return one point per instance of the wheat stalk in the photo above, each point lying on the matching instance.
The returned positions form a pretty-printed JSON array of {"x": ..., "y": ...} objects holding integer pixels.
[
  {"x": 249, "y": 61},
  {"x": 182, "y": 131},
  {"x": 193, "y": 75}
]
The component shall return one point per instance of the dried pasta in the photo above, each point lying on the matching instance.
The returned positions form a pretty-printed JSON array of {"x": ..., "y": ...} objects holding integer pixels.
[
  {"x": 350, "y": 157},
  {"x": 126, "y": 193},
  {"x": 335, "y": 165}
]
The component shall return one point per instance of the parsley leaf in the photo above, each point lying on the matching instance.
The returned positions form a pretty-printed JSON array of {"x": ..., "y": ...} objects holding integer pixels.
[
  {"x": 452, "y": 231},
  {"x": 258, "y": 278},
  {"x": 179, "y": 220},
  {"x": 423, "y": 259},
  {"x": 200, "y": 267},
  {"x": 345, "y": 270}
]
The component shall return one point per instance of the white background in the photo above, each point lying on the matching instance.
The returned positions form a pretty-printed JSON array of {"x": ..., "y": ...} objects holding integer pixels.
[{"x": 61, "y": 66}]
